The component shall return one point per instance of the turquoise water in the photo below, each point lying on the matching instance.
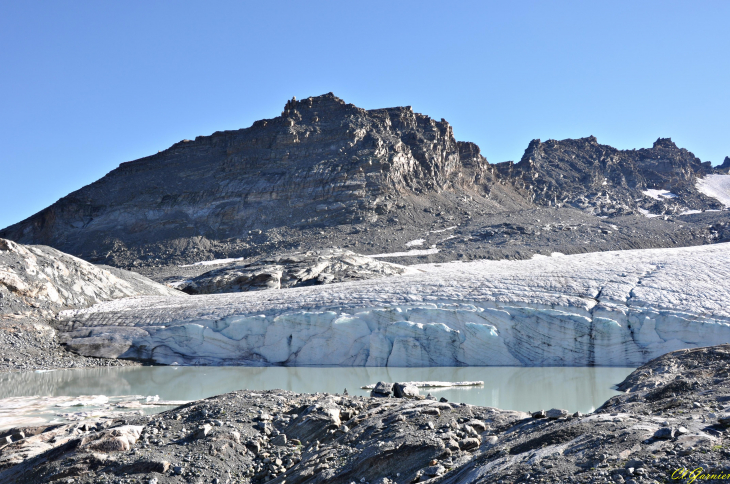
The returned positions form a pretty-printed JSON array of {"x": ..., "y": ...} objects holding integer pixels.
[{"x": 516, "y": 388}]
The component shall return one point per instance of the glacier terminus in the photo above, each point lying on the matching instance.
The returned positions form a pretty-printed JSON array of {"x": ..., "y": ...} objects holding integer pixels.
[{"x": 610, "y": 308}]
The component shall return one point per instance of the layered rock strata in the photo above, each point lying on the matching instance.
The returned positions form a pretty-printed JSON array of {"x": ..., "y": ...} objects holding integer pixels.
[
  {"x": 322, "y": 163},
  {"x": 615, "y": 308},
  {"x": 326, "y": 174}
]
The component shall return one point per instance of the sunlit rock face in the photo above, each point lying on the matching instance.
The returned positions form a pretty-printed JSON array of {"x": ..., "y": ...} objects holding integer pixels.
[
  {"x": 322, "y": 163},
  {"x": 326, "y": 173},
  {"x": 605, "y": 181},
  {"x": 612, "y": 308},
  {"x": 38, "y": 281}
]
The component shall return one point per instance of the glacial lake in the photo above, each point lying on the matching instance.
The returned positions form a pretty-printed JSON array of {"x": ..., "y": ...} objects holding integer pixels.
[{"x": 29, "y": 398}]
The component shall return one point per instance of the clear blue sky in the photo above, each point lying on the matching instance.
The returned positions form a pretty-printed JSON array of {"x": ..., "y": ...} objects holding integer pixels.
[{"x": 88, "y": 85}]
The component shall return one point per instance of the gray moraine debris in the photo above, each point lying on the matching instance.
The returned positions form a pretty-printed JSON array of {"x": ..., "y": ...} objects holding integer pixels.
[
  {"x": 672, "y": 416},
  {"x": 36, "y": 283}
]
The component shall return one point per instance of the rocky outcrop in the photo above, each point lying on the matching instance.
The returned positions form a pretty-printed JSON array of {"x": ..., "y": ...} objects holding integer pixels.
[
  {"x": 37, "y": 282},
  {"x": 616, "y": 308},
  {"x": 605, "y": 181},
  {"x": 671, "y": 421},
  {"x": 291, "y": 270},
  {"x": 328, "y": 174},
  {"x": 724, "y": 169},
  {"x": 40, "y": 281},
  {"x": 323, "y": 163}
]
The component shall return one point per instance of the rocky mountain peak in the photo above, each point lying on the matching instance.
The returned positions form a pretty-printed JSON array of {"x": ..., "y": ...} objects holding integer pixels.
[
  {"x": 591, "y": 176},
  {"x": 664, "y": 143},
  {"x": 725, "y": 167},
  {"x": 322, "y": 162},
  {"x": 327, "y": 173}
]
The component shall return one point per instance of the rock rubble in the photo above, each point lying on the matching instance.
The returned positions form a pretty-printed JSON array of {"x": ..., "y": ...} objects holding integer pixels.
[
  {"x": 38, "y": 282},
  {"x": 669, "y": 418},
  {"x": 290, "y": 270}
]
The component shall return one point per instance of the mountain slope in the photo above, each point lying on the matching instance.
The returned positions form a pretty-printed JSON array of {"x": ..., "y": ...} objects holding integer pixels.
[
  {"x": 606, "y": 181},
  {"x": 321, "y": 163},
  {"x": 327, "y": 174}
]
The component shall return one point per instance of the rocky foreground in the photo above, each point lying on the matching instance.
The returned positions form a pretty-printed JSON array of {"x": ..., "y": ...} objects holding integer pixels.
[{"x": 671, "y": 416}]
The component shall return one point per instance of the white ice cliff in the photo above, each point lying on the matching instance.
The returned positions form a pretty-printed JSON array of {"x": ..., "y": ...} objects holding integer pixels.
[{"x": 611, "y": 308}]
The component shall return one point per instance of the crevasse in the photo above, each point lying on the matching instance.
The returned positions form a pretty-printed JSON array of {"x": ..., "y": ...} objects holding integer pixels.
[{"x": 615, "y": 308}]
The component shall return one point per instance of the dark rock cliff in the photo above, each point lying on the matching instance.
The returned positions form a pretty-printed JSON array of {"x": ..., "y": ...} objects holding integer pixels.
[
  {"x": 585, "y": 174},
  {"x": 329, "y": 174},
  {"x": 724, "y": 169},
  {"x": 321, "y": 163}
]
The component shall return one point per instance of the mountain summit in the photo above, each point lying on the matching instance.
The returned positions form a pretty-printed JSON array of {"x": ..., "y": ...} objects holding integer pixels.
[{"x": 326, "y": 173}]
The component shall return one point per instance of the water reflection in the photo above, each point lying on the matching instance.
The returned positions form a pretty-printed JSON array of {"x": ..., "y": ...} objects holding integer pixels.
[{"x": 517, "y": 388}]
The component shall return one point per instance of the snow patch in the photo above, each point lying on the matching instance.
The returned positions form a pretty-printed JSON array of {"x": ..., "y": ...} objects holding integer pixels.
[
  {"x": 410, "y": 253},
  {"x": 646, "y": 213},
  {"x": 717, "y": 187},
  {"x": 442, "y": 230},
  {"x": 213, "y": 262},
  {"x": 658, "y": 194}
]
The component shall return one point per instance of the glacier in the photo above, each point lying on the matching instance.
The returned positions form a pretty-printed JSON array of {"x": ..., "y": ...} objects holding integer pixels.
[{"x": 619, "y": 308}]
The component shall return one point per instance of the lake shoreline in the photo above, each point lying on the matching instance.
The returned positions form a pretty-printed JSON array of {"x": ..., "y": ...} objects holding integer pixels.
[
  {"x": 671, "y": 415},
  {"x": 60, "y": 396}
]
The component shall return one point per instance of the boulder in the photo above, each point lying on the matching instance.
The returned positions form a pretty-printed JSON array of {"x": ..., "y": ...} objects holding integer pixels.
[
  {"x": 469, "y": 443},
  {"x": 556, "y": 413},
  {"x": 724, "y": 419},
  {"x": 382, "y": 389},
  {"x": 405, "y": 390},
  {"x": 477, "y": 425},
  {"x": 113, "y": 440},
  {"x": 665, "y": 433},
  {"x": 491, "y": 440},
  {"x": 434, "y": 471},
  {"x": 201, "y": 431}
]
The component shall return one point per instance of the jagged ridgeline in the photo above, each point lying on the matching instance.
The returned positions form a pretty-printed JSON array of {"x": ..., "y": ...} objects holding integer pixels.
[
  {"x": 588, "y": 175},
  {"x": 321, "y": 163},
  {"x": 326, "y": 173}
]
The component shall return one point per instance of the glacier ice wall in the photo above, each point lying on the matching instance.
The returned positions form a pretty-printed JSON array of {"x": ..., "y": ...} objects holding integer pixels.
[{"x": 610, "y": 308}]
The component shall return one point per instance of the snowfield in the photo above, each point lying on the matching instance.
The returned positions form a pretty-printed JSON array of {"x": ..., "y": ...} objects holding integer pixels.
[
  {"x": 611, "y": 308},
  {"x": 716, "y": 186}
]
